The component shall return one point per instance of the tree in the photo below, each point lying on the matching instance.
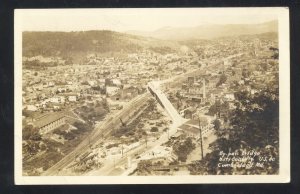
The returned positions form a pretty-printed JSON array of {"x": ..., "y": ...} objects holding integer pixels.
[
  {"x": 245, "y": 73},
  {"x": 255, "y": 120},
  {"x": 105, "y": 104},
  {"x": 151, "y": 104},
  {"x": 253, "y": 125},
  {"x": 81, "y": 126},
  {"x": 217, "y": 124},
  {"x": 215, "y": 108},
  {"x": 154, "y": 129},
  {"x": 222, "y": 80},
  {"x": 178, "y": 95},
  {"x": 31, "y": 133},
  {"x": 144, "y": 166},
  {"x": 275, "y": 55},
  {"x": 182, "y": 150},
  {"x": 36, "y": 136},
  {"x": 263, "y": 66},
  {"x": 27, "y": 113}
]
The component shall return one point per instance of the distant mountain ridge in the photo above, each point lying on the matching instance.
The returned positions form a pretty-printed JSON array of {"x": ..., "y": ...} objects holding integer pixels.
[
  {"x": 66, "y": 44},
  {"x": 110, "y": 43},
  {"x": 210, "y": 31}
]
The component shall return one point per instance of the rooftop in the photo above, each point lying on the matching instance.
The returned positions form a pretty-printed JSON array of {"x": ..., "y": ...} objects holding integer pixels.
[
  {"x": 203, "y": 122},
  {"x": 47, "y": 119}
]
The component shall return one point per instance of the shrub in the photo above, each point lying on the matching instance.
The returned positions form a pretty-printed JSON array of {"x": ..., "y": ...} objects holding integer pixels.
[{"x": 154, "y": 129}]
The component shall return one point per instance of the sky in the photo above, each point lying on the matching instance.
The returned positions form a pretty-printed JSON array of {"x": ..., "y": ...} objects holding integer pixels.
[{"x": 123, "y": 20}]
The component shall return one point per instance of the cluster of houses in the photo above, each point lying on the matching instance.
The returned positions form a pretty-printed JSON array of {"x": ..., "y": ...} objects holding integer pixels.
[
  {"x": 116, "y": 78},
  {"x": 252, "y": 71},
  {"x": 123, "y": 78}
]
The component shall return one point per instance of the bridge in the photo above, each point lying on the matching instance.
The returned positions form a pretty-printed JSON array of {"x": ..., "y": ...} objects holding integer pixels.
[{"x": 154, "y": 88}]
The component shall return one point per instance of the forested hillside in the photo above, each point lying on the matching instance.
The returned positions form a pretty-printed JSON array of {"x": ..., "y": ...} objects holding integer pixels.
[{"x": 64, "y": 44}]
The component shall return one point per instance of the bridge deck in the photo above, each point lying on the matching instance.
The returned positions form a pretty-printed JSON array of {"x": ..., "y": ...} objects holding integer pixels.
[{"x": 164, "y": 101}]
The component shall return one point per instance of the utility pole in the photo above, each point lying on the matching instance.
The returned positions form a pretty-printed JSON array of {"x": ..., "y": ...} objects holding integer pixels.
[
  {"x": 146, "y": 140},
  {"x": 122, "y": 149},
  {"x": 201, "y": 143}
]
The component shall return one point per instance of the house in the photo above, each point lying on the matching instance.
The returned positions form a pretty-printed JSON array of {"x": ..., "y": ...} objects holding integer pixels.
[
  {"x": 61, "y": 99},
  {"x": 60, "y": 90},
  {"x": 129, "y": 92},
  {"x": 55, "y": 99},
  {"x": 116, "y": 82},
  {"x": 111, "y": 90},
  {"x": 51, "y": 84},
  {"x": 229, "y": 97},
  {"x": 188, "y": 112},
  {"x": 72, "y": 98},
  {"x": 92, "y": 83},
  {"x": 192, "y": 127},
  {"x": 31, "y": 108}
]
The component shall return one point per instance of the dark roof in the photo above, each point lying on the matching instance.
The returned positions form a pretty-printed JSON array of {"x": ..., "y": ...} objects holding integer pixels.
[{"x": 47, "y": 119}]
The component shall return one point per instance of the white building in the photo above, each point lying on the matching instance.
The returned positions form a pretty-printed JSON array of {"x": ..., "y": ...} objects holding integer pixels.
[
  {"x": 112, "y": 90},
  {"x": 31, "y": 108},
  {"x": 72, "y": 98}
]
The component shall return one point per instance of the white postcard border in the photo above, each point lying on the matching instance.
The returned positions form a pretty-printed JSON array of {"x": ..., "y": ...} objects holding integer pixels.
[{"x": 284, "y": 120}]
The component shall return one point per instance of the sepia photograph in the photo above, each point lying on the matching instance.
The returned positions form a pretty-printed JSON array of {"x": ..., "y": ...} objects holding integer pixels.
[{"x": 152, "y": 95}]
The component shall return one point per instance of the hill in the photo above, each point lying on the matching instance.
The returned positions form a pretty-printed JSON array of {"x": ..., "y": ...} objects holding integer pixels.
[
  {"x": 209, "y": 31},
  {"x": 65, "y": 44},
  {"x": 77, "y": 45}
]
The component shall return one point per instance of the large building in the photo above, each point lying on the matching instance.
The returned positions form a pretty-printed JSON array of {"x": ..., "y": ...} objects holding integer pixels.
[
  {"x": 196, "y": 91},
  {"x": 49, "y": 122}
]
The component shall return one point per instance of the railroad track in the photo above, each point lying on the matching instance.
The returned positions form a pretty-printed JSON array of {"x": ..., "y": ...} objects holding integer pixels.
[{"x": 102, "y": 131}]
